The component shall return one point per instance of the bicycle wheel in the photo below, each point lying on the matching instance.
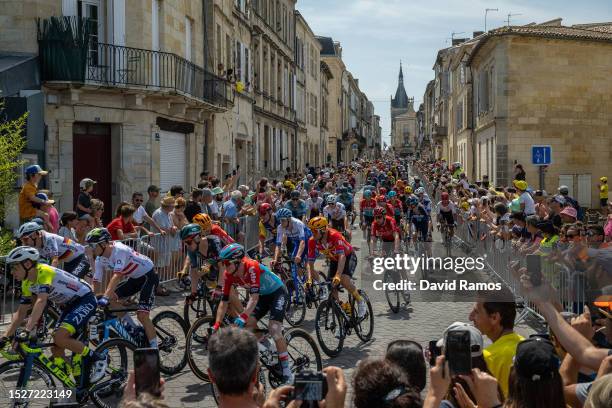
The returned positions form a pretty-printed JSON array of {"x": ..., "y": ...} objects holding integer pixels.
[
  {"x": 296, "y": 307},
  {"x": 329, "y": 327},
  {"x": 171, "y": 332},
  {"x": 364, "y": 327},
  {"x": 318, "y": 288},
  {"x": 108, "y": 392},
  {"x": 303, "y": 351},
  {"x": 39, "y": 379},
  {"x": 194, "y": 310},
  {"x": 392, "y": 295},
  {"x": 197, "y": 350}
]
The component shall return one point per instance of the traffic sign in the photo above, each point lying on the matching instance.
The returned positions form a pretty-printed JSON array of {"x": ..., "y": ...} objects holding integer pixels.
[{"x": 541, "y": 155}]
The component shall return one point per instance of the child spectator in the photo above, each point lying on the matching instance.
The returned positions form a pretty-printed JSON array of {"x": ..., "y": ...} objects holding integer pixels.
[
  {"x": 122, "y": 226},
  {"x": 83, "y": 205},
  {"x": 45, "y": 207},
  {"x": 68, "y": 223},
  {"x": 27, "y": 195}
]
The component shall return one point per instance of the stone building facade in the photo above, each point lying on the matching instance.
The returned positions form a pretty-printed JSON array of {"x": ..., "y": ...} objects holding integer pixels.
[
  {"x": 403, "y": 120},
  {"x": 331, "y": 55}
]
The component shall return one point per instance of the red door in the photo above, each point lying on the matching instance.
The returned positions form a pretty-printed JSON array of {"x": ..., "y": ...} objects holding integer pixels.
[{"x": 91, "y": 152}]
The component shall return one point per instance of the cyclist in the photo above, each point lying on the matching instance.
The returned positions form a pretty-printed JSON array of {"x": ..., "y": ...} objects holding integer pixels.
[
  {"x": 335, "y": 212},
  {"x": 124, "y": 261},
  {"x": 419, "y": 219},
  {"x": 41, "y": 284},
  {"x": 267, "y": 293},
  {"x": 447, "y": 212},
  {"x": 396, "y": 204},
  {"x": 314, "y": 204},
  {"x": 55, "y": 248},
  {"x": 345, "y": 197},
  {"x": 292, "y": 234},
  {"x": 209, "y": 228},
  {"x": 297, "y": 206},
  {"x": 268, "y": 223},
  {"x": 366, "y": 210},
  {"x": 381, "y": 201},
  {"x": 341, "y": 256},
  {"x": 385, "y": 228},
  {"x": 423, "y": 199}
]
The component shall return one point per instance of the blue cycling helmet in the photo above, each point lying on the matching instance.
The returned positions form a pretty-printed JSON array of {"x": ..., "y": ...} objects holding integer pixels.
[
  {"x": 391, "y": 194},
  {"x": 367, "y": 194},
  {"x": 283, "y": 213},
  {"x": 232, "y": 252},
  {"x": 413, "y": 201}
]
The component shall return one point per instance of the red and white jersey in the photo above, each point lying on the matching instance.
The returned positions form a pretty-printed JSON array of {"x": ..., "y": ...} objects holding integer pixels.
[
  {"x": 123, "y": 260},
  {"x": 335, "y": 246},
  {"x": 57, "y": 246}
]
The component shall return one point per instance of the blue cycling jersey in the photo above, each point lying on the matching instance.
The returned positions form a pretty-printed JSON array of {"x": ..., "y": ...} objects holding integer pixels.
[
  {"x": 299, "y": 210},
  {"x": 269, "y": 282},
  {"x": 296, "y": 231}
]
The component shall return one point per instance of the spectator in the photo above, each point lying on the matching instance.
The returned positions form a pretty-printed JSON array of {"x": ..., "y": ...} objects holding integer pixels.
[
  {"x": 27, "y": 195},
  {"x": 45, "y": 208},
  {"x": 408, "y": 355},
  {"x": 204, "y": 176},
  {"x": 217, "y": 204},
  {"x": 122, "y": 227},
  {"x": 595, "y": 236},
  {"x": 207, "y": 204},
  {"x": 555, "y": 206},
  {"x": 151, "y": 204},
  {"x": 162, "y": 243},
  {"x": 602, "y": 186},
  {"x": 600, "y": 394},
  {"x": 176, "y": 191},
  {"x": 541, "y": 209},
  {"x": 231, "y": 214},
  {"x": 82, "y": 227},
  {"x": 141, "y": 215},
  {"x": 519, "y": 172},
  {"x": 381, "y": 383},
  {"x": 52, "y": 211},
  {"x": 568, "y": 215},
  {"x": 95, "y": 219},
  {"x": 68, "y": 223},
  {"x": 179, "y": 221},
  {"x": 525, "y": 200},
  {"x": 144, "y": 400},
  {"x": 494, "y": 314},
  {"x": 564, "y": 192},
  {"x": 194, "y": 204},
  {"x": 83, "y": 205},
  {"x": 608, "y": 225}
]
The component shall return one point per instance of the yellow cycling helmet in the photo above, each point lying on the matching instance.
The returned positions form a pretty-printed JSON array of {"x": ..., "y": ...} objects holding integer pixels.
[
  {"x": 408, "y": 190},
  {"x": 318, "y": 224},
  {"x": 203, "y": 220}
]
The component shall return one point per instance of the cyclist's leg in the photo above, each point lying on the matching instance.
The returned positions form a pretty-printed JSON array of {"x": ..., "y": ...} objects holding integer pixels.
[
  {"x": 347, "y": 273},
  {"x": 146, "y": 285},
  {"x": 278, "y": 304}
]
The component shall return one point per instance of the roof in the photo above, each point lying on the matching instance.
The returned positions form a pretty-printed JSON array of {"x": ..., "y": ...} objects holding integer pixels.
[
  {"x": 598, "y": 32},
  {"x": 327, "y": 45},
  {"x": 400, "y": 101}
]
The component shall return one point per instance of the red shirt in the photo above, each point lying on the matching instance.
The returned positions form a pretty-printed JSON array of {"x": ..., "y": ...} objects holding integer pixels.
[
  {"x": 386, "y": 231},
  {"x": 335, "y": 246},
  {"x": 118, "y": 224},
  {"x": 396, "y": 204},
  {"x": 367, "y": 206},
  {"x": 220, "y": 232}
]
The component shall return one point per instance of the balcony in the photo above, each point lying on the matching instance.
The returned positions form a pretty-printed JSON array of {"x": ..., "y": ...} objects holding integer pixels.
[{"x": 125, "y": 67}]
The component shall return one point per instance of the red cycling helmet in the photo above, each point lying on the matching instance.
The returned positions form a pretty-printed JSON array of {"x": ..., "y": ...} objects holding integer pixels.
[
  {"x": 444, "y": 196},
  {"x": 379, "y": 211},
  {"x": 381, "y": 199},
  {"x": 382, "y": 191},
  {"x": 264, "y": 208},
  {"x": 314, "y": 194}
]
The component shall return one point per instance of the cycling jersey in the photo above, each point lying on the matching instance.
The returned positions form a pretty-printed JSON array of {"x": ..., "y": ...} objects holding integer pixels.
[
  {"x": 387, "y": 231},
  {"x": 265, "y": 227},
  {"x": 220, "y": 232},
  {"x": 57, "y": 246},
  {"x": 396, "y": 204},
  {"x": 367, "y": 207},
  {"x": 124, "y": 261},
  {"x": 61, "y": 286},
  {"x": 426, "y": 202},
  {"x": 196, "y": 258},
  {"x": 297, "y": 211},
  {"x": 296, "y": 231},
  {"x": 334, "y": 212},
  {"x": 346, "y": 200},
  {"x": 449, "y": 208},
  {"x": 335, "y": 246},
  {"x": 257, "y": 278}
]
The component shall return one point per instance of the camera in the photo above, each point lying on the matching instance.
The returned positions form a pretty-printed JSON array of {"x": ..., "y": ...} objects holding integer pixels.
[
  {"x": 309, "y": 387},
  {"x": 534, "y": 269}
]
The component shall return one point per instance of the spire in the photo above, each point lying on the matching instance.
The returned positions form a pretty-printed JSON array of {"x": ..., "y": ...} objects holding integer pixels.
[
  {"x": 401, "y": 98},
  {"x": 401, "y": 74}
]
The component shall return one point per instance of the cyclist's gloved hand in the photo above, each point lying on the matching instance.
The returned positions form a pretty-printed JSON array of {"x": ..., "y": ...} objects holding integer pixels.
[
  {"x": 216, "y": 326},
  {"x": 103, "y": 301},
  {"x": 241, "y": 320},
  {"x": 336, "y": 281},
  {"x": 191, "y": 297}
]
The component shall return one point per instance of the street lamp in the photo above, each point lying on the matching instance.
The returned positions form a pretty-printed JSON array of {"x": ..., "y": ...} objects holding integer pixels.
[
  {"x": 487, "y": 12},
  {"x": 512, "y": 15}
]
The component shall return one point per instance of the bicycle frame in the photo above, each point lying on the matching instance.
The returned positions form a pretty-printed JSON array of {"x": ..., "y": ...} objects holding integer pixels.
[
  {"x": 35, "y": 353},
  {"x": 118, "y": 327}
]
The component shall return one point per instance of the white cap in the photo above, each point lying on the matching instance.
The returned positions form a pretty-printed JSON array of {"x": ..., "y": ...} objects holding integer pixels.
[{"x": 476, "y": 341}]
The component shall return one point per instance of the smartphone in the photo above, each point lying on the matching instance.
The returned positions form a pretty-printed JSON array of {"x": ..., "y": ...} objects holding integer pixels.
[
  {"x": 534, "y": 269},
  {"x": 310, "y": 387},
  {"x": 458, "y": 352},
  {"x": 146, "y": 368},
  {"x": 434, "y": 352}
]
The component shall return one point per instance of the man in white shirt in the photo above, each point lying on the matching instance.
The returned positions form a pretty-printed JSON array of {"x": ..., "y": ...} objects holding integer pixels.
[
  {"x": 525, "y": 199},
  {"x": 140, "y": 215}
]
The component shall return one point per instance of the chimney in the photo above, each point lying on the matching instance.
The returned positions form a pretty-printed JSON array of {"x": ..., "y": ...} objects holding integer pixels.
[
  {"x": 457, "y": 41},
  {"x": 477, "y": 33}
]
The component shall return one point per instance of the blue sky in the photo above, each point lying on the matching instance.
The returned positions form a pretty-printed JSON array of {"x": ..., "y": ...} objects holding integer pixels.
[{"x": 376, "y": 34}]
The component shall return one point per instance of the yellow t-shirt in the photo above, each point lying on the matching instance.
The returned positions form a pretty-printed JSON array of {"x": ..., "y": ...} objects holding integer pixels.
[
  {"x": 499, "y": 357},
  {"x": 603, "y": 191},
  {"x": 26, "y": 210}
]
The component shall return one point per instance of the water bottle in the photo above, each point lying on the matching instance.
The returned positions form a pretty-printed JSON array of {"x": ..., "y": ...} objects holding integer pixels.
[{"x": 93, "y": 328}]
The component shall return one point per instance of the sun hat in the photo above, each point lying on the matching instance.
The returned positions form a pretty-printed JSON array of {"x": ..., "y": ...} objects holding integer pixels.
[
  {"x": 476, "y": 341},
  {"x": 217, "y": 190},
  {"x": 520, "y": 184},
  {"x": 570, "y": 212},
  {"x": 167, "y": 202},
  {"x": 35, "y": 169}
]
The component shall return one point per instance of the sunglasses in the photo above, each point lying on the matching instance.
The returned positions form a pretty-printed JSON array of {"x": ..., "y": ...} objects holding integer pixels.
[{"x": 138, "y": 200}]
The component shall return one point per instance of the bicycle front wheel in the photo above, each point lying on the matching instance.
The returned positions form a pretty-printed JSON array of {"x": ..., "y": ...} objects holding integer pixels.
[
  {"x": 364, "y": 327},
  {"x": 392, "y": 295},
  {"x": 39, "y": 379},
  {"x": 171, "y": 332},
  {"x": 296, "y": 307},
  {"x": 108, "y": 392},
  {"x": 197, "y": 346},
  {"x": 192, "y": 311},
  {"x": 329, "y": 328},
  {"x": 303, "y": 351}
]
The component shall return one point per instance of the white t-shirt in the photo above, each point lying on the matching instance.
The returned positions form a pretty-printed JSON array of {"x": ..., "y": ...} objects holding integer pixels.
[
  {"x": 529, "y": 203},
  {"x": 139, "y": 214},
  {"x": 214, "y": 208}
]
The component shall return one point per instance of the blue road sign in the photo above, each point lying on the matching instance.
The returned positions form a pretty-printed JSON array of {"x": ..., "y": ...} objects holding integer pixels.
[{"x": 541, "y": 155}]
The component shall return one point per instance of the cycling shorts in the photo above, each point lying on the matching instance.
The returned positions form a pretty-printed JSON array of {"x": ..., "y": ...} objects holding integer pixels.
[
  {"x": 76, "y": 314},
  {"x": 338, "y": 224},
  {"x": 349, "y": 266},
  {"x": 368, "y": 220},
  {"x": 145, "y": 284},
  {"x": 275, "y": 303},
  {"x": 79, "y": 267},
  {"x": 447, "y": 216}
]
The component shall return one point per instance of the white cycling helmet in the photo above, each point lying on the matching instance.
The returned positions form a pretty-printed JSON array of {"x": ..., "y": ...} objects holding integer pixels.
[
  {"x": 419, "y": 190},
  {"x": 22, "y": 253},
  {"x": 28, "y": 228}
]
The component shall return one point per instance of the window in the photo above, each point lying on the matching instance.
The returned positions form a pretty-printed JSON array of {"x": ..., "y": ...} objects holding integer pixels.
[
  {"x": 228, "y": 52},
  {"x": 188, "y": 39},
  {"x": 238, "y": 61},
  {"x": 247, "y": 70},
  {"x": 218, "y": 45},
  {"x": 459, "y": 116},
  {"x": 240, "y": 5},
  {"x": 91, "y": 9}
]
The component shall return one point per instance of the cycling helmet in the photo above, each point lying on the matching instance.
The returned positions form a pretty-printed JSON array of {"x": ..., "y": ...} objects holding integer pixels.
[
  {"x": 264, "y": 208},
  {"x": 190, "y": 231},
  {"x": 98, "y": 235},
  {"x": 391, "y": 194},
  {"x": 314, "y": 194},
  {"x": 379, "y": 211},
  {"x": 203, "y": 220},
  {"x": 444, "y": 196},
  {"x": 383, "y": 191},
  {"x": 408, "y": 190},
  {"x": 381, "y": 199},
  {"x": 295, "y": 194},
  {"x": 331, "y": 199},
  {"x": 283, "y": 213},
  {"x": 306, "y": 184},
  {"x": 22, "y": 253},
  {"x": 28, "y": 228},
  {"x": 318, "y": 223},
  {"x": 413, "y": 201},
  {"x": 343, "y": 190},
  {"x": 232, "y": 252},
  {"x": 420, "y": 190},
  {"x": 367, "y": 194}
]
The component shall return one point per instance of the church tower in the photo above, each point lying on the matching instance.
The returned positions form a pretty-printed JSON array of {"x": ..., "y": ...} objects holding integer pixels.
[
  {"x": 403, "y": 119},
  {"x": 399, "y": 104}
]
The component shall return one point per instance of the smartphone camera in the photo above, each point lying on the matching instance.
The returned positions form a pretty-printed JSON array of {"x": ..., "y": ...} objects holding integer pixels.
[
  {"x": 434, "y": 352},
  {"x": 146, "y": 370},
  {"x": 534, "y": 269},
  {"x": 309, "y": 387},
  {"x": 458, "y": 352}
]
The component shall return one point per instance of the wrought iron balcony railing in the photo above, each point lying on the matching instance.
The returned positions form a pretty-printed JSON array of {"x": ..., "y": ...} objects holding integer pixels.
[{"x": 119, "y": 66}]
